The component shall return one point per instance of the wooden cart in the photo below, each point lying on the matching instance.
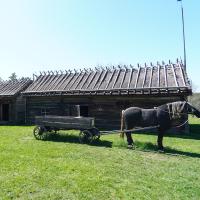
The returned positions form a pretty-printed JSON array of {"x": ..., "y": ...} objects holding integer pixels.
[{"x": 50, "y": 123}]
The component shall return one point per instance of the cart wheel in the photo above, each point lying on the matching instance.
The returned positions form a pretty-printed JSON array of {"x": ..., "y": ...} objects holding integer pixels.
[
  {"x": 85, "y": 136},
  {"x": 39, "y": 133},
  {"x": 95, "y": 133}
]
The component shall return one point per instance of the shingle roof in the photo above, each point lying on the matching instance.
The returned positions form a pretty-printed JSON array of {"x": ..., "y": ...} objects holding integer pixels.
[
  {"x": 165, "y": 78},
  {"x": 12, "y": 88}
]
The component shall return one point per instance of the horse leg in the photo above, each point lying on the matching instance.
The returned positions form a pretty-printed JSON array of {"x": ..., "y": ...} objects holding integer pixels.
[
  {"x": 129, "y": 140},
  {"x": 160, "y": 141}
]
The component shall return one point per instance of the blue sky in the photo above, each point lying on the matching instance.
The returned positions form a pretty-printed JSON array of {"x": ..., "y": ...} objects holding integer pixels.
[{"x": 41, "y": 35}]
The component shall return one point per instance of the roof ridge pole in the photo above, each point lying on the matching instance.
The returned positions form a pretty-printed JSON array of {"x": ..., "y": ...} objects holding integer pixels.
[{"x": 183, "y": 30}]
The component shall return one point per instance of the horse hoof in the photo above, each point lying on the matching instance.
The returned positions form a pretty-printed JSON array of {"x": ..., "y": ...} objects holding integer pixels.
[
  {"x": 130, "y": 146},
  {"x": 161, "y": 151}
]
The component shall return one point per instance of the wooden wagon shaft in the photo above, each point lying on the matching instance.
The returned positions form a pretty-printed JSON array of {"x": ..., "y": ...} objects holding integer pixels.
[{"x": 129, "y": 131}]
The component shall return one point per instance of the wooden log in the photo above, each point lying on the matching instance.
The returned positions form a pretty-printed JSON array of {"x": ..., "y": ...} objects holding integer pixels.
[
  {"x": 175, "y": 79},
  {"x": 138, "y": 73}
]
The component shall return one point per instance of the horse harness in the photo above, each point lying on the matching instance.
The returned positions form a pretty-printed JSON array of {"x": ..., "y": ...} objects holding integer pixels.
[{"x": 174, "y": 116}]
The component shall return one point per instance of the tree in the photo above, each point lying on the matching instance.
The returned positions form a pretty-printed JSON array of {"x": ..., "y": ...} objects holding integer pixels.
[
  {"x": 13, "y": 77},
  {"x": 195, "y": 100},
  {"x": 23, "y": 78}
]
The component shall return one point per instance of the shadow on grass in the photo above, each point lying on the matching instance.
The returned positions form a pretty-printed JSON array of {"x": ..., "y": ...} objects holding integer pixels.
[
  {"x": 147, "y": 146},
  {"x": 194, "y": 133},
  {"x": 141, "y": 146},
  {"x": 195, "y": 128},
  {"x": 75, "y": 139}
]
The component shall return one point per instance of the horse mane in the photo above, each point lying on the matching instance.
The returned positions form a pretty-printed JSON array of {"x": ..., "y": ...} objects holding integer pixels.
[{"x": 175, "y": 109}]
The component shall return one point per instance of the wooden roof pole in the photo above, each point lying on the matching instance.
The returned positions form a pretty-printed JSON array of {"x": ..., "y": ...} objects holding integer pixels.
[
  {"x": 33, "y": 86},
  {"x": 98, "y": 78},
  {"x": 116, "y": 78},
  {"x": 80, "y": 80},
  {"x": 75, "y": 79},
  {"x": 145, "y": 75},
  {"x": 113, "y": 72},
  {"x": 136, "y": 81},
  {"x": 130, "y": 78},
  {"x": 175, "y": 79},
  {"x": 123, "y": 79},
  {"x": 52, "y": 79},
  {"x": 91, "y": 80},
  {"x": 150, "y": 81},
  {"x": 165, "y": 73},
  {"x": 62, "y": 80},
  {"x": 88, "y": 75},
  {"x": 102, "y": 79},
  {"x": 44, "y": 78},
  {"x": 158, "y": 84},
  {"x": 182, "y": 76},
  {"x": 57, "y": 80},
  {"x": 68, "y": 81}
]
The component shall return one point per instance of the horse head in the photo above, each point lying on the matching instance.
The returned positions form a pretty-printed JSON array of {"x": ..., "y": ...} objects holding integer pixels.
[
  {"x": 178, "y": 109},
  {"x": 192, "y": 110}
]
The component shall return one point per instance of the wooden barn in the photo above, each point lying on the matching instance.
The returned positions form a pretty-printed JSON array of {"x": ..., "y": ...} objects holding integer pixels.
[
  {"x": 102, "y": 93},
  {"x": 12, "y": 104}
]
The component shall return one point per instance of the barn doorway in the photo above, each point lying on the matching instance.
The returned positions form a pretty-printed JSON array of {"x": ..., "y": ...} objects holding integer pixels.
[
  {"x": 84, "y": 111},
  {"x": 5, "y": 112}
]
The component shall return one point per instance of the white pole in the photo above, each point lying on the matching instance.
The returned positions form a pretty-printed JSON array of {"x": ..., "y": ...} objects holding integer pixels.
[{"x": 183, "y": 29}]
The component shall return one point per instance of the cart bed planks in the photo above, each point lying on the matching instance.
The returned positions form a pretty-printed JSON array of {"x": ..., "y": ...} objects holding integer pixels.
[
  {"x": 49, "y": 123},
  {"x": 65, "y": 122}
]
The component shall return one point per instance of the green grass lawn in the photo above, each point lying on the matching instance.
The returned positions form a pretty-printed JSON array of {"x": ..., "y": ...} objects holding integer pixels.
[{"x": 61, "y": 168}]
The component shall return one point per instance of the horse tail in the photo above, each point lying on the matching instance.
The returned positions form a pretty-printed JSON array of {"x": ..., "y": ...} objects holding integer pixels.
[{"x": 122, "y": 124}]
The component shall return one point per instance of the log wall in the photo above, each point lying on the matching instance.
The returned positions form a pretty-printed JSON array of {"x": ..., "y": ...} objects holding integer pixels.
[
  {"x": 20, "y": 110},
  {"x": 16, "y": 110}
]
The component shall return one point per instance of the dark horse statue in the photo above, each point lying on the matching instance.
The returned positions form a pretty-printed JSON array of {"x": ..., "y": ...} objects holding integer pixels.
[{"x": 162, "y": 117}]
